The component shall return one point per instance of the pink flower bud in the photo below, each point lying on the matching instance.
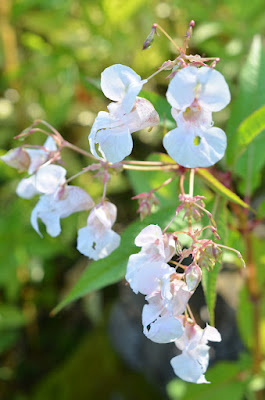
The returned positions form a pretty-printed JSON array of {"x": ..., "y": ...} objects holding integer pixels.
[{"x": 17, "y": 158}]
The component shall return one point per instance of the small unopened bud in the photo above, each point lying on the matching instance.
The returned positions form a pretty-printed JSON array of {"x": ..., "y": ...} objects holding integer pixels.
[
  {"x": 193, "y": 275},
  {"x": 150, "y": 38},
  {"x": 192, "y": 23},
  {"x": 17, "y": 158}
]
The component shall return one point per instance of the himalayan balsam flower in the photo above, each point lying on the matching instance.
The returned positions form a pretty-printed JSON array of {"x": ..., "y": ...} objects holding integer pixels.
[
  {"x": 194, "y": 93},
  {"x": 112, "y": 130},
  {"x": 97, "y": 240},
  {"x": 193, "y": 362},
  {"x": 52, "y": 207}
]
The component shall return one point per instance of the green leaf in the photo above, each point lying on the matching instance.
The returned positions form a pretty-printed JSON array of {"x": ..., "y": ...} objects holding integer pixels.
[
  {"x": 11, "y": 317},
  {"x": 251, "y": 95},
  {"x": 112, "y": 269},
  {"x": 220, "y": 188},
  {"x": 251, "y": 127},
  {"x": 209, "y": 278},
  {"x": 225, "y": 384}
]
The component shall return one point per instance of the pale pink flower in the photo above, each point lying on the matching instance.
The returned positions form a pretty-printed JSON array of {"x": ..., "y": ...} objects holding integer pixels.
[
  {"x": 193, "y": 362},
  {"x": 97, "y": 240},
  {"x": 52, "y": 207}
]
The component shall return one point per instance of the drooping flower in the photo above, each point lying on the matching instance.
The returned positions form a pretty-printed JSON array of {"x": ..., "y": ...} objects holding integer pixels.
[
  {"x": 52, "y": 207},
  {"x": 46, "y": 180},
  {"x": 27, "y": 159},
  {"x": 194, "y": 93},
  {"x": 97, "y": 240},
  {"x": 112, "y": 130},
  {"x": 148, "y": 269},
  {"x": 155, "y": 243},
  {"x": 145, "y": 275},
  {"x": 161, "y": 317},
  {"x": 193, "y": 362}
]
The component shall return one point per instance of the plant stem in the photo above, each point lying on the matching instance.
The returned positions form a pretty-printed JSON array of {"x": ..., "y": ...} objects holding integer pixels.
[
  {"x": 192, "y": 172},
  {"x": 169, "y": 37},
  {"x": 78, "y": 150},
  {"x": 151, "y": 168}
]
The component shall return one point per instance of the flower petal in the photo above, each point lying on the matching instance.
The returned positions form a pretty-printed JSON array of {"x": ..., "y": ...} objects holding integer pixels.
[
  {"x": 187, "y": 368},
  {"x": 50, "y": 209},
  {"x": 181, "y": 90},
  {"x": 142, "y": 116},
  {"x": 180, "y": 145},
  {"x": 49, "y": 177},
  {"x": 27, "y": 188},
  {"x": 214, "y": 94},
  {"x": 97, "y": 245},
  {"x": 121, "y": 83},
  {"x": 162, "y": 329}
]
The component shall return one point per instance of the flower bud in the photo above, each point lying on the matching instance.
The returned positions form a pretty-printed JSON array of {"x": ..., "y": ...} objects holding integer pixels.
[
  {"x": 150, "y": 38},
  {"x": 193, "y": 276},
  {"x": 17, "y": 158}
]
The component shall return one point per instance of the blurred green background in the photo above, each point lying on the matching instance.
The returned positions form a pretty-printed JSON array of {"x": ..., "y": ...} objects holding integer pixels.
[{"x": 51, "y": 55}]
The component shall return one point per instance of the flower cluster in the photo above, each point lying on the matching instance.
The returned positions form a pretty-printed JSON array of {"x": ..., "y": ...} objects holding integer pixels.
[
  {"x": 60, "y": 200},
  {"x": 159, "y": 271},
  {"x": 154, "y": 273}
]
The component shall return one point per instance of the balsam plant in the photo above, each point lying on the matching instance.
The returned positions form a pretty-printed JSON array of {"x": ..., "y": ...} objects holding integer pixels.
[{"x": 167, "y": 270}]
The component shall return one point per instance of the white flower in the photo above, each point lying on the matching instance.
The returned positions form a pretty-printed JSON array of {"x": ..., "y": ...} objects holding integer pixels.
[
  {"x": 40, "y": 156},
  {"x": 156, "y": 244},
  {"x": 27, "y": 159},
  {"x": 145, "y": 275},
  {"x": 97, "y": 239},
  {"x": 120, "y": 83},
  {"x": 112, "y": 131},
  {"x": 46, "y": 180},
  {"x": 161, "y": 317},
  {"x": 159, "y": 325},
  {"x": 52, "y": 207},
  {"x": 194, "y": 93},
  {"x": 193, "y": 362},
  {"x": 200, "y": 88}
]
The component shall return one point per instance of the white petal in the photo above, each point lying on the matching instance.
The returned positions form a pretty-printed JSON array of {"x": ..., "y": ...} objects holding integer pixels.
[
  {"x": 50, "y": 209},
  {"x": 188, "y": 369},
  {"x": 143, "y": 115},
  {"x": 163, "y": 329},
  {"x": 212, "y": 334},
  {"x": 214, "y": 94},
  {"x": 104, "y": 214},
  {"x": 180, "y": 145},
  {"x": 115, "y": 144},
  {"x": 149, "y": 235},
  {"x": 50, "y": 144},
  {"x": 94, "y": 245},
  {"x": 181, "y": 89},
  {"x": 37, "y": 158},
  {"x": 26, "y": 188},
  {"x": 49, "y": 177},
  {"x": 121, "y": 83}
]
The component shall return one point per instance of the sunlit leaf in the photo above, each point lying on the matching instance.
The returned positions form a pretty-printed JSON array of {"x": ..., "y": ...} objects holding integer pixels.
[{"x": 218, "y": 187}]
